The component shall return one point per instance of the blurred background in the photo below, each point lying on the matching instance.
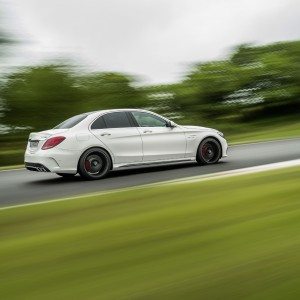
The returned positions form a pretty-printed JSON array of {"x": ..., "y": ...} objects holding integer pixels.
[{"x": 234, "y": 66}]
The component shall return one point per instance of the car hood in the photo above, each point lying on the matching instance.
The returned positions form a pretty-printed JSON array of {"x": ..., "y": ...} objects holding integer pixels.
[{"x": 197, "y": 128}]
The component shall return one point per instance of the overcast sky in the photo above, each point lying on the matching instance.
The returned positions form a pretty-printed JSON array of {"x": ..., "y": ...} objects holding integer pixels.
[{"x": 154, "y": 39}]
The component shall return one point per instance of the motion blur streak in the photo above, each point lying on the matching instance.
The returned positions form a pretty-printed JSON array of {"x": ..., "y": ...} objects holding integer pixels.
[
  {"x": 251, "y": 94},
  {"x": 18, "y": 188},
  {"x": 233, "y": 238},
  {"x": 219, "y": 175}
]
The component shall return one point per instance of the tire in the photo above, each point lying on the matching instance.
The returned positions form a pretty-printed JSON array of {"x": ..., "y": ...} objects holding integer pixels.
[
  {"x": 66, "y": 175},
  {"x": 209, "y": 152},
  {"x": 94, "y": 164}
]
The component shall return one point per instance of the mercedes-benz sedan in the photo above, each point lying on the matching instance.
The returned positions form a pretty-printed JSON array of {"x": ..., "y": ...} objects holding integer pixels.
[{"x": 94, "y": 143}]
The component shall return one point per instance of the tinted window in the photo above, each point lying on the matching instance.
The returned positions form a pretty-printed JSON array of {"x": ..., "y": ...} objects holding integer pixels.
[
  {"x": 148, "y": 120},
  {"x": 116, "y": 120},
  {"x": 71, "y": 122},
  {"x": 98, "y": 124}
]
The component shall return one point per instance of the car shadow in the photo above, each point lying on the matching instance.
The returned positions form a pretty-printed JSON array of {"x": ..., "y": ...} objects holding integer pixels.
[{"x": 121, "y": 173}]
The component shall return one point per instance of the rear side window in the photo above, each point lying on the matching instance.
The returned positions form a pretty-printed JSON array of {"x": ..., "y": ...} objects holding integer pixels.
[
  {"x": 98, "y": 124},
  {"x": 69, "y": 123},
  {"x": 116, "y": 120}
]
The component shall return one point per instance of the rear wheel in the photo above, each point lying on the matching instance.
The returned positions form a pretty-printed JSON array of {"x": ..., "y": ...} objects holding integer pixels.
[
  {"x": 94, "y": 164},
  {"x": 209, "y": 151}
]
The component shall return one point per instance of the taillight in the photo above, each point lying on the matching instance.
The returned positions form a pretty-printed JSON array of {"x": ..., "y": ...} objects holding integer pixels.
[{"x": 53, "y": 142}]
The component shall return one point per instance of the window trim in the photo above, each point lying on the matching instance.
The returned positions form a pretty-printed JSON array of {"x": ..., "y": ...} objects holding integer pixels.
[
  {"x": 85, "y": 115},
  {"x": 149, "y": 113},
  {"x": 131, "y": 118},
  {"x": 90, "y": 127},
  {"x": 111, "y": 112}
]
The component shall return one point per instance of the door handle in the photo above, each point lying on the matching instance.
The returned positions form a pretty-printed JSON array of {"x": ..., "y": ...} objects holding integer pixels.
[
  {"x": 147, "y": 131},
  {"x": 105, "y": 134}
]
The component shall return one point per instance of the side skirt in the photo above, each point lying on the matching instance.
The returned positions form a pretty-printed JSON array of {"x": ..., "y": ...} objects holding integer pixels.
[{"x": 154, "y": 163}]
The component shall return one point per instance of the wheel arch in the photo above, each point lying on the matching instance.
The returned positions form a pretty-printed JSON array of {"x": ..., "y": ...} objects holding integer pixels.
[
  {"x": 214, "y": 138},
  {"x": 97, "y": 147}
]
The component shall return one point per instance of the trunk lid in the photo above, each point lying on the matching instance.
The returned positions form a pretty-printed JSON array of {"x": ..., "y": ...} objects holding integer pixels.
[{"x": 37, "y": 139}]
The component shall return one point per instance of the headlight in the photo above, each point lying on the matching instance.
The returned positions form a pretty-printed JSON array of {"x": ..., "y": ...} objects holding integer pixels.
[{"x": 220, "y": 133}]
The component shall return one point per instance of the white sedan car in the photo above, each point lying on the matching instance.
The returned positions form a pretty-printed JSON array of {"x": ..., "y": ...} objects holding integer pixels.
[{"x": 94, "y": 143}]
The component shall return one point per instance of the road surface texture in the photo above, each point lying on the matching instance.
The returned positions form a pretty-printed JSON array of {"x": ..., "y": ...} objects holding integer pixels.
[{"x": 22, "y": 186}]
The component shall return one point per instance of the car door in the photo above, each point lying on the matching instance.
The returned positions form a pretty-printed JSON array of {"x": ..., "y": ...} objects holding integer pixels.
[
  {"x": 159, "y": 141},
  {"x": 121, "y": 137}
]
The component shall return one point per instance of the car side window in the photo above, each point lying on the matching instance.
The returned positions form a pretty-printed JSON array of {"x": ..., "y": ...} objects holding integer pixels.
[
  {"x": 98, "y": 124},
  {"x": 116, "y": 120},
  {"x": 148, "y": 120}
]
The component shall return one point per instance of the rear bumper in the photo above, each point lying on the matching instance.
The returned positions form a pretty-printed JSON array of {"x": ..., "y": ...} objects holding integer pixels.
[
  {"x": 52, "y": 160},
  {"x": 36, "y": 167}
]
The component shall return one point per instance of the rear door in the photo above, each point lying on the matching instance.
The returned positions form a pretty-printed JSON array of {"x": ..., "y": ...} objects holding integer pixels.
[
  {"x": 117, "y": 131},
  {"x": 159, "y": 141}
]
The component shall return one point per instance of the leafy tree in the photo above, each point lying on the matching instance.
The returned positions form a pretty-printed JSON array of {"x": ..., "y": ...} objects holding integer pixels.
[
  {"x": 273, "y": 77},
  {"x": 255, "y": 82},
  {"x": 5, "y": 42},
  {"x": 40, "y": 97},
  {"x": 109, "y": 90}
]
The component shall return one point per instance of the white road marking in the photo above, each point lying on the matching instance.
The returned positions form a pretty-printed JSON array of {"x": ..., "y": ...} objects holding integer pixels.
[
  {"x": 237, "y": 172},
  {"x": 214, "y": 176}
]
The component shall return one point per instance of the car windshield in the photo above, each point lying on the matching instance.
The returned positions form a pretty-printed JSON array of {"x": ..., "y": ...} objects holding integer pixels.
[{"x": 69, "y": 123}]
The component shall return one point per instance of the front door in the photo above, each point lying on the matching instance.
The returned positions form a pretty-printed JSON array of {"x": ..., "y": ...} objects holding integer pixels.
[{"x": 159, "y": 141}]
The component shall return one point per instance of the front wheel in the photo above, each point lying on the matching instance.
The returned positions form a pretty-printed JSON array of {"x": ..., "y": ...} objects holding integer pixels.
[
  {"x": 209, "y": 151},
  {"x": 94, "y": 164}
]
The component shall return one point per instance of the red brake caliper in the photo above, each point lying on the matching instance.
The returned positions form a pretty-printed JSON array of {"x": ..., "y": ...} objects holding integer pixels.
[
  {"x": 204, "y": 149},
  {"x": 87, "y": 165}
]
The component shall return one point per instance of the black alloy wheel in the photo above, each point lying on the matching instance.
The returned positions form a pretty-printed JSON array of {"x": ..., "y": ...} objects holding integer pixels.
[
  {"x": 95, "y": 163},
  {"x": 209, "y": 151}
]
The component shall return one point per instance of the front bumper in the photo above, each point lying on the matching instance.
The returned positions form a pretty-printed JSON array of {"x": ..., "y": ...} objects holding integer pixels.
[{"x": 224, "y": 146}]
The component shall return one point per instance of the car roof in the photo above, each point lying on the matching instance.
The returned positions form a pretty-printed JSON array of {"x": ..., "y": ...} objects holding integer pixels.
[{"x": 97, "y": 112}]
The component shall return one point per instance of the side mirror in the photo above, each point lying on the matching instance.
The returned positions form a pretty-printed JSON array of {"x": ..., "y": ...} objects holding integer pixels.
[{"x": 170, "y": 124}]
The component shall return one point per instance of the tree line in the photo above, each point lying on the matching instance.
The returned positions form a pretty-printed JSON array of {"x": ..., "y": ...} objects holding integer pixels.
[{"x": 252, "y": 83}]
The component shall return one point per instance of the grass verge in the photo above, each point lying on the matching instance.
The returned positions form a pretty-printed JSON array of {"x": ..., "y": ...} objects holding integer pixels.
[
  {"x": 233, "y": 238},
  {"x": 11, "y": 167},
  {"x": 267, "y": 133}
]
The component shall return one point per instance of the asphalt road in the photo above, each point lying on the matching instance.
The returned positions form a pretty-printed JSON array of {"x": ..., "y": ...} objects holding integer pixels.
[{"x": 22, "y": 186}]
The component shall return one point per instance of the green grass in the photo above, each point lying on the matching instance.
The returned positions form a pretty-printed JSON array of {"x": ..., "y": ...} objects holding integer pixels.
[
  {"x": 234, "y": 238},
  {"x": 11, "y": 167},
  {"x": 11, "y": 158},
  {"x": 256, "y": 133}
]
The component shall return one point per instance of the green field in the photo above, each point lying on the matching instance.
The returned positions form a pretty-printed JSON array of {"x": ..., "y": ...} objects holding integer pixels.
[
  {"x": 267, "y": 132},
  {"x": 233, "y": 238}
]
